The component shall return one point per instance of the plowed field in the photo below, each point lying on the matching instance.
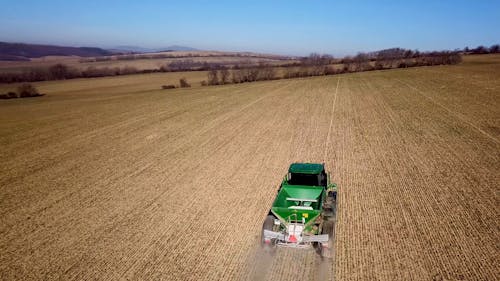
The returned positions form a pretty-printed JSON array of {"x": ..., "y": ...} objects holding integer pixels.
[{"x": 121, "y": 181}]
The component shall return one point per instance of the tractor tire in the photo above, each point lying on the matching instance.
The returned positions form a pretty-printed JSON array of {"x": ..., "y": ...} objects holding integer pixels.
[
  {"x": 268, "y": 225},
  {"x": 328, "y": 228}
]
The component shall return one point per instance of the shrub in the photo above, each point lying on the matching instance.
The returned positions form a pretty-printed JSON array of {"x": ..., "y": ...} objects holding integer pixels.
[
  {"x": 27, "y": 90},
  {"x": 170, "y": 86},
  {"x": 204, "y": 83},
  {"x": 9, "y": 95},
  {"x": 184, "y": 84},
  {"x": 212, "y": 77}
]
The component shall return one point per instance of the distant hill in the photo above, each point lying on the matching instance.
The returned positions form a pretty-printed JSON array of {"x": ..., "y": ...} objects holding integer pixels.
[
  {"x": 132, "y": 49},
  {"x": 136, "y": 49},
  {"x": 22, "y": 51},
  {"x": 178, "y": 48}
]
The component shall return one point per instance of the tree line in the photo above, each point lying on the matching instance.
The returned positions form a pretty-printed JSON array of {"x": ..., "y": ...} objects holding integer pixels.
[
  {"x": 479, "y": 50},
  {"x": 225, "y": 75},
  {"x": 248, "y": 71},
  {"x": 61, "y": 71},
  {"x": 317, "y": 64}
]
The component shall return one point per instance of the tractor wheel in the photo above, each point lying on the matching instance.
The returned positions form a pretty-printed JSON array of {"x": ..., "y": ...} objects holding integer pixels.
[
  {"x": 328, "y": 228},
  {"x": 268, "y": 225}
]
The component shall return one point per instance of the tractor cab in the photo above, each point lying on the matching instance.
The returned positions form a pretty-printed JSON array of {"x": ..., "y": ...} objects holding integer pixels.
[{"x": 309, "y": 174}]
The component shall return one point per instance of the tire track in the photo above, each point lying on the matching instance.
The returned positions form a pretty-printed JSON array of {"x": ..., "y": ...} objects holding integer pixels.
[{"x": 327, "y": 144}]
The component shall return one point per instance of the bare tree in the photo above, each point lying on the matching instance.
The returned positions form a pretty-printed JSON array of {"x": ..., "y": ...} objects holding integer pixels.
[
  {"x": 213, "y": 78},
  {"x": 224, "y": 75},
  {"x": 268, "y": 73},
  {"x": 253, "y": 74},
  {"x": 480, "y": 50},
  {"x": 236, "y": 76},
  {"x": 58, "y": 71}
]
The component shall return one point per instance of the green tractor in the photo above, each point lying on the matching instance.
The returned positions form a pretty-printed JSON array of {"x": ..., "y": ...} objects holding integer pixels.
[{"x": 303, "y": 213}]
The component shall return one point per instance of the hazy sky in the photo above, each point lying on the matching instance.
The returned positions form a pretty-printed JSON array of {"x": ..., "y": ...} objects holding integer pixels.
[{"x": 286, "y": 27}]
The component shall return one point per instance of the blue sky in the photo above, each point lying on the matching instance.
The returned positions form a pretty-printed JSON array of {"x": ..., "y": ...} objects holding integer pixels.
[{"x": 285, "y": 27}]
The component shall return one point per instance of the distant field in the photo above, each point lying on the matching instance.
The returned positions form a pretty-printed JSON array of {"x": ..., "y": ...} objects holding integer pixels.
[
  {"x": 145, "y": 63},
  {"x": 114, "y": 178},
  {"x": 107, "y": 86}
]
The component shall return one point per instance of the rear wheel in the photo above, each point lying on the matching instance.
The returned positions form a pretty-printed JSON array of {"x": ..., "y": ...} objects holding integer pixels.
[
  {"x": 328, "y": 228},
  {"x": 268, "y": 225}
]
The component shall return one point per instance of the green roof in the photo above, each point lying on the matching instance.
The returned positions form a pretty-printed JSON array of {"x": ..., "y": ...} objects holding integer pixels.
[{"x": 306, "y": 168}]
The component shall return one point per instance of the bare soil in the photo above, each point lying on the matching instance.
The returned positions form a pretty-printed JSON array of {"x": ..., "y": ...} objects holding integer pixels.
[{"x": 114, "y": 178}]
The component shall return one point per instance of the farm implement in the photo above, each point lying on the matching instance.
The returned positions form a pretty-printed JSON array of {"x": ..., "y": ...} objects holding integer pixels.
[{"x": 303, "y": 213}]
